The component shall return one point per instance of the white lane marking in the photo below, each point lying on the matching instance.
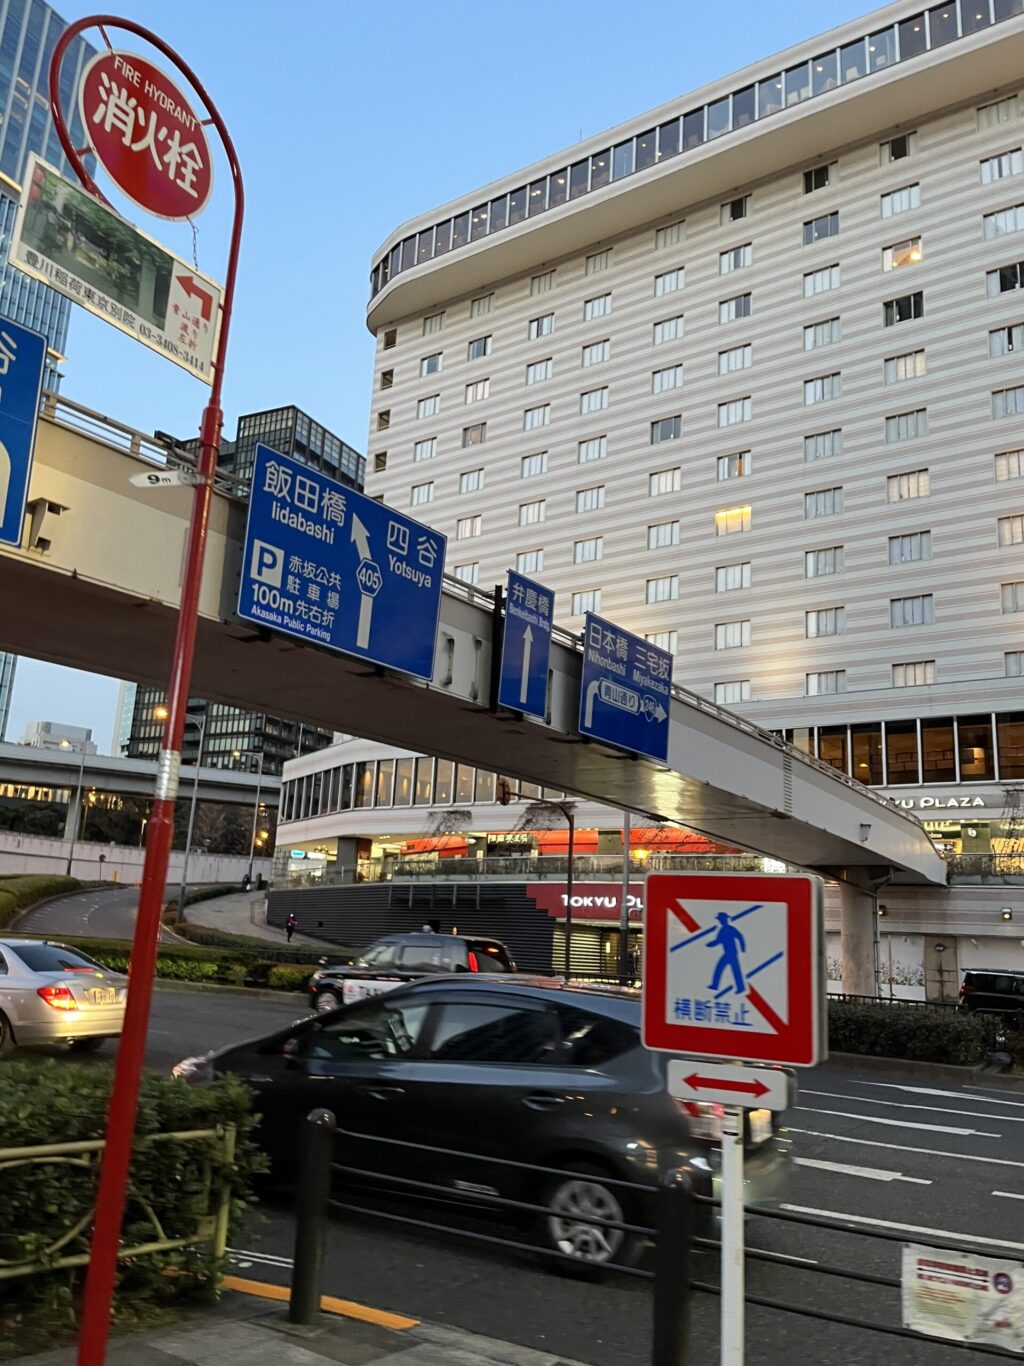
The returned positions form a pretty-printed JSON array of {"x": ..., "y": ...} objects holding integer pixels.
[
  {"x": 905, "y": 1228},
  {"x": 784, "y": 1256},
  {"x": 903, "y": 1148},
  {"x": 1009, "y": 1195},
  {"x": 909, "y": 1105},
  {"x": 871, "y": 1173},
  {"x": 934, "y": 1091},
  {"x": 897, "y": 1123},
  {"x": 267, "y": 1257}
]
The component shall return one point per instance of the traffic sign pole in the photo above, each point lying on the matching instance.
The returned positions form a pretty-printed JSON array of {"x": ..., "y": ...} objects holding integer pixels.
[
  {"x": 121, "y": 1116},
  {"x": 733, "y": 1288}
]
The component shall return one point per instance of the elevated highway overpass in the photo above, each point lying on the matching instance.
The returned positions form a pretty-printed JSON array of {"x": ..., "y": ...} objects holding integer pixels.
[{"x": 97, "y": 577}]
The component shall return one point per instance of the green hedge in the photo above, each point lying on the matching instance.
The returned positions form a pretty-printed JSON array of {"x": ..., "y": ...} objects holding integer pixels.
[
  {"x": 918, "y": 1033},
  {"x": 47, "y": 1101},
  {"x": 289, "y": 977},
  {"x": 18, "y": 893},
  {"x": 264, "y": 949},
  {"x": 208, "y": 893}
]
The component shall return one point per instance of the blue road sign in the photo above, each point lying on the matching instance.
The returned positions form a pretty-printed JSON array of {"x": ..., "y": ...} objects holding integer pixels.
[
  {"x": 526, "y": 646},
  {"x": 336, "y": 568},
  {"x": 22, "y": 356},
  {"x": 626, "y": 690}
]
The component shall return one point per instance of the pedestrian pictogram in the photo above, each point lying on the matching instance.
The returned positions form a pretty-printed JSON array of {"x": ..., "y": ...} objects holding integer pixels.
[{"x": 733, "y": 966}]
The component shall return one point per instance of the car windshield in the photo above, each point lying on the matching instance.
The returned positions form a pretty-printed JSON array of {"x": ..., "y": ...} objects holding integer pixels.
[
  {"x": 55, "y": 958},
  {"x": 377, "y": 955}
]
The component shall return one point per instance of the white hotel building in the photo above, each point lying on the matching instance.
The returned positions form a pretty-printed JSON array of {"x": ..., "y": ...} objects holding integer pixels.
[{"x": 746, "y": 375}]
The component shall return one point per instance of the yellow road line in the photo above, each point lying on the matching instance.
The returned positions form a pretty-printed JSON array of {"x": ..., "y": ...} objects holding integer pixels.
[{"x": 328, "y": 1303}]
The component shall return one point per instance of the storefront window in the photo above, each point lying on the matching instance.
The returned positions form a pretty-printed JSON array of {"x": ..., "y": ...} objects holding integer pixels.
[
  {"x": 1010, "y": 728},
  {"x": 403, "y": 782},
  {"x": 364, "y": 784},
  {"x": 832, "y": 747},
  {"x": 346, "y": 788},
  {"x": 977, "y": 760},
  {"x": 385, "y": 781},
  {"x": 443, "y": 783},
  {"x": 937, "y": 756},
  {"x": 866, "y": 742},
  {"x": 802, "y": 738},
  {"x": 464, "y": 783},
  {"x": 531, "y": 791},
  {"x": 424, "y": 785},
  {"x": 901, "y": 752},
  {"x": 484, "y": 786}
]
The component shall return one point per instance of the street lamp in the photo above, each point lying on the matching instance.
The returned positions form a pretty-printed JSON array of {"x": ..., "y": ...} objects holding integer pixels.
[
  {"x": 66, "y": 744},
  {"x": 256, "y": 754},
  {"x": 160, "y": 712}
]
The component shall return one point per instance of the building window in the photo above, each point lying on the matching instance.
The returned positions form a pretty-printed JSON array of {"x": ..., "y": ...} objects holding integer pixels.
[
  {"x": 387, "y": 379},
  {"x": 661, "y": 534},
  {"x": 384, "y": 419},
  {"x": 478, "y": 348},
  {"x": 1005, "y": 341},
  {"x": 475, "y": 435},
  {"x": 596, "y": 352},
  {"x": 429, "y": 406},
  {"x": 380, "y": 462},
  {"x": 541, "y": 284},
  {"x": 597, "y": 308},
  {"x": 530, "y": 561},
  {"x": 823, "y": 503},
  {"x": 669, "y": 281},
  {"x": 529, "y": 513},
  {"x": 665, "y": 589},
  {"x": 536, "y": 417},
  {"x": 821, "y": 281},
  {"x": 827, "y": 681},
  {"x": 898, "y": 148},
  {"x": 827, "y": 621},
  {"x": 822, "y": 389},
  {"x": 425, "y": 450},
  {"x": 905, "y": 253},
  {"x": 589, "y": 600},
  {"x": 664, "y": 640},
  {"x": 666, "y": 429},
  {"x": 590, "y": 500},
  {"x": 733, "y": 210},
  {"x": 828, "y": 560},
  {"x": 735, "y": 358},
  {"x": 471, "y": 480},
  {"x": 1008, "y": 465},
  {"x": 732, "y": 635},
  {"x": 478, "y": 390},
  {"x": 594, "y": 400},
  {"x": 820, "y": 177},
  {"x": 910, "y": 365},
  {"x": 669, "y": 329},
  {"x": 539, "y": 370},
  {"x": 432, "y": 323},
  {"x": 729, "y": 577},
  {"x": 904, "y": 199},
  {"x": 468, "y": 573},
  {"x": 422, "y": 493},
  {"x": 670, "y": 235},
  {"x": 391, "y": 338},
  {"x": 594, "y": 448},
  {"x": 906, "y": 426},
  {"x": 916, "y": 545},
  {"x": 1013, "y": 662},
  {"x": 532, "y": 465},
  {"x": 1004, "y": 221},
  {"x": 1008, "y": 402},
  {"x": 823, "y": 445},
  {"x": 1002, "y": 111},
  {"x": 1011, "y": 530},
  {"x": 468, "y": 527},
  {"x": 817, "y": 229},
  {"x": 1012, "y": 597},
  {"x": 431, "y": 365},
  {"x": 665, "y": 481},
  {"x": 733, "y": 466},
  {"x": 913, "y": 484},
  {"x": 542, "y": 326},
  {"x": 728, "y": 521},
  {"x": 737, "y": 307},
  {"x": 826, "y": 333},
  {"x": 737, "y": 410},
  {"x": 736, "y": 258},
  {"x": 903, "y": 309},
  {"x": 1005, "y": 279},
  {"x": 583, "y": 552},
  {"x": 1003, "y": 166},
  {"x": 481, "y": 306},
  {"x": 728, "y": 693},
  {"x": 915, "y": 611},
  {"x": 917, "y": 674},
  {"x": 669, "y": 378},
  {"x": 598, "y": 261}
]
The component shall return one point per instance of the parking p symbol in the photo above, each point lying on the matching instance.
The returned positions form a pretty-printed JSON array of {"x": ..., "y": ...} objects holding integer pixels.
[{"x": 267, "y": 564}]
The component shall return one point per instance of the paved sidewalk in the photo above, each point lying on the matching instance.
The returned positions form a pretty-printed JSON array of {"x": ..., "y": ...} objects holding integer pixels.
[
  {"x": 243, "y": 1331},
  {"x": 246, "y": 913}
]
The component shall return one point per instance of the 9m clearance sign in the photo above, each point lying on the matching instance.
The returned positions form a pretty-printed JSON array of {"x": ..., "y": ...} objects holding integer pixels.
[{"x": 146, "y": 135}]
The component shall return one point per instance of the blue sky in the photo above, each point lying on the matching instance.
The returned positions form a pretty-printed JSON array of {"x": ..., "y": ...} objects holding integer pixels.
[{"x": 349, "y": 118}]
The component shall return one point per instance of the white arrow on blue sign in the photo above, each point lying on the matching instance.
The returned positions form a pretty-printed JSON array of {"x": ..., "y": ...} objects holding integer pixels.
[
  {"x": 22, "y": 357},
  {"x": 625, "y": 689},
  {"x": 526, "y": 646},
  {"x": 331, "y": 566}
]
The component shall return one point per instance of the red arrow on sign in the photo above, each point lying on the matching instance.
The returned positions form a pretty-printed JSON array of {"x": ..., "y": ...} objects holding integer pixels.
[
  {"x": 755, "y": 1088},
  {"x": 193, "y": 291}
]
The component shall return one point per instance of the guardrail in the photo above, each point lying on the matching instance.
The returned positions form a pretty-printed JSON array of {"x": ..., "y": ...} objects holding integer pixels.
[{"x": 987, "y": 864}]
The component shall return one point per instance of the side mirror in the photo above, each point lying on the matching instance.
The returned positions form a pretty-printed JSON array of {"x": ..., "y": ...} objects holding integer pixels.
[{"x": 290, "y": 1049}]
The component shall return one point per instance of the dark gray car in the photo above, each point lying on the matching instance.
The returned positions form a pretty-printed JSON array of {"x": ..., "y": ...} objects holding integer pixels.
[{"x": 499, "y": 1073}]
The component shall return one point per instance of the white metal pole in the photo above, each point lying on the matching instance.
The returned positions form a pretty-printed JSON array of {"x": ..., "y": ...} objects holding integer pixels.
[
  {"x": 78, "y": 810},
  {"x": 255, "y": 814},
  {"x": 732, "y": 1237},
  {"x": 201, "y": 721},
  {"x": 624, "y": 907}
]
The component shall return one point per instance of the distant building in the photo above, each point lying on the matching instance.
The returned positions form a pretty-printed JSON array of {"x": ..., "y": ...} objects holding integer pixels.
[
  {"x": 54, "y": 735},
  {"x": 123, "y": 718}
]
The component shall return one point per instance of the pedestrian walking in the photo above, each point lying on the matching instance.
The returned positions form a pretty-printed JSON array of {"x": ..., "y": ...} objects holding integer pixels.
[{"x": 290, "y": 925}]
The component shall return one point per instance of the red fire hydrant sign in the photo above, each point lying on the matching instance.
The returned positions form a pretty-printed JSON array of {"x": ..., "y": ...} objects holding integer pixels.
[{"x": 146, "y": 135}]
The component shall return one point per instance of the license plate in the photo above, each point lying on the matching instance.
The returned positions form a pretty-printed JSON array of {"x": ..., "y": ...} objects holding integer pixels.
[
  {"x": 760, "y": 1125},
  {"x": 102, "y": 996}
]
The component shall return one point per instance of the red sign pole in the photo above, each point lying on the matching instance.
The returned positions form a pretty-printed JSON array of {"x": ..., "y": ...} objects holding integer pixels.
[{"x": 110, "y": 1202}]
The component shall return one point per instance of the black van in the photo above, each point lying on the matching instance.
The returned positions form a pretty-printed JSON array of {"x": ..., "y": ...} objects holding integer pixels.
[{"x": 994, "y": 992}]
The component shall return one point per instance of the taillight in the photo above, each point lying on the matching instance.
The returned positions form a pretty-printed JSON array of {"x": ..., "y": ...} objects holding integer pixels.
[
  {"x": 705, "y": 1119},
  {"x": 966, "y": 990},
  {"x": 474, "y": 966},
  {"x": 58, "y": 997}
]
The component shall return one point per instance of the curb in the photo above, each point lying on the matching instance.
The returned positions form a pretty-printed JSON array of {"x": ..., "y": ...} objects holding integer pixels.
[
  {"x": 869, "y": 1062},
  {"x": 250, "y": 993}
]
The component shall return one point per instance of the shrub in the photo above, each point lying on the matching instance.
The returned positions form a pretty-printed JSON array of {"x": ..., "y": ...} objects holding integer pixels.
[
  {"x": 196, "y": 894},
  {"x": 18, "y": 893},
  {"x": 919, "y": 1033},
  {"x": 288, "y": 977},
  {"x": 257, "y": 948}
]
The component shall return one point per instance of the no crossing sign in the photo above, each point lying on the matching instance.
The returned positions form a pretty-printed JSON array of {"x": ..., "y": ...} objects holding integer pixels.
[{"x": 733, "y": 967}]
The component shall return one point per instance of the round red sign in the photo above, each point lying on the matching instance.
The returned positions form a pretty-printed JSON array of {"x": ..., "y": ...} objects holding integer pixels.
[{"x": 146, "y": 135}]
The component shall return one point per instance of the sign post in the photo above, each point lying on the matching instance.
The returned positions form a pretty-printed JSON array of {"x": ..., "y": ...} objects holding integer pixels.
[
  {"x": 733, "y": 970},
  {"x": 148, "y": 128},
  {"x": 22, "y": 357}
]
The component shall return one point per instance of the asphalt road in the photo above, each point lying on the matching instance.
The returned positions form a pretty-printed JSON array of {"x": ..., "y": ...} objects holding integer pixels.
[{"x": 96, "y": 913}]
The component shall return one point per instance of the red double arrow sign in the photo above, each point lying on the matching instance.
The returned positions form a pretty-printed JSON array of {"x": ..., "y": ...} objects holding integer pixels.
[{"x": 754, "y": 1088}]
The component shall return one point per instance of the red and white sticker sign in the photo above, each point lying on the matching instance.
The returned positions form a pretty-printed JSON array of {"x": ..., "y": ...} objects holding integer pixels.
[
  {"x": 733, "y": 967},
  {"x": 146, "y": 135}
]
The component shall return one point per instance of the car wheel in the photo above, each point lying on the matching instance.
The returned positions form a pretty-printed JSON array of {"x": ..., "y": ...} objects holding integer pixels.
[
  {"x": 86, "y": 1045},
  {"x": 572, "y": 1201},
  {"x": 6, "y": 1037},
  {"x": 327, "y": 1000}
]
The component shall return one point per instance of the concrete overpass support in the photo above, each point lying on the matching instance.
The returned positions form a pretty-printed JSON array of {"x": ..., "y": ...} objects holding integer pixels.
[{"x": 857, "y": 924}]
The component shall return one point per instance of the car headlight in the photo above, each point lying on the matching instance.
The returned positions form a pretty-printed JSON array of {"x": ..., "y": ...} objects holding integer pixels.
[{"x": 194, "y": 1071}]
